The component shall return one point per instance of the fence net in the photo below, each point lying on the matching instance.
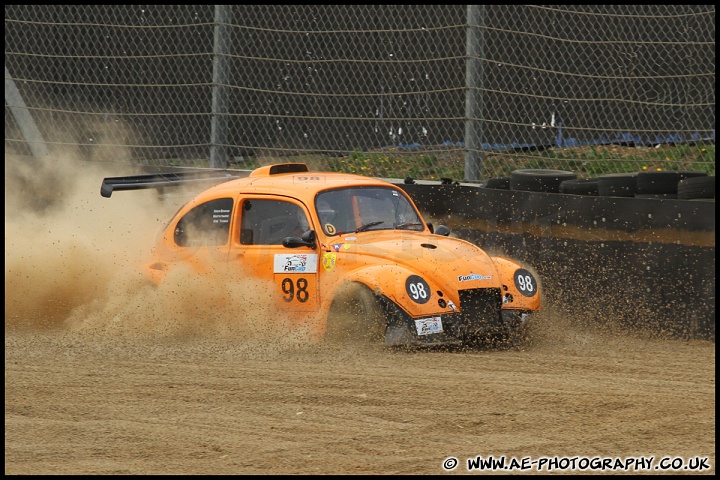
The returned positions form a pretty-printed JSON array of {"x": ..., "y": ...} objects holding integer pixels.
[{"x": 430, "y": 92}]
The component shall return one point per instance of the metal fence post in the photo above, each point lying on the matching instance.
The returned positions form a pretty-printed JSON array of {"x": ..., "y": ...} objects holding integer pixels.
[
  {"x": 25, "y": 122},
  {"x": 473, "y": 98},
  {"x": 218, "y": 122}
]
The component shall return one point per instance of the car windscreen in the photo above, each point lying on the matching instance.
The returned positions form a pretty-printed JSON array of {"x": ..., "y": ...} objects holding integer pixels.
[{"x": 354, "y": 209}]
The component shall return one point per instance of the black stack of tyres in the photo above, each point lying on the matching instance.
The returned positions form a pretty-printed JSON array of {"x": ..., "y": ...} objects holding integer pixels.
[
  {"x": 539, "y": 180},
  {"x": 696, "y": 188},
  {"x": 498, "y": 182},
  {"x": 580, "y": 186},
  {"x": 662, "y": 184},
  {"x": 617, "y": 185}
]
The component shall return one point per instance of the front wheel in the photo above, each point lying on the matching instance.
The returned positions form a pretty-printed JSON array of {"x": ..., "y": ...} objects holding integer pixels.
[
  {"x": 513, "y": 331},
  {"x": 356, "y": 316}
]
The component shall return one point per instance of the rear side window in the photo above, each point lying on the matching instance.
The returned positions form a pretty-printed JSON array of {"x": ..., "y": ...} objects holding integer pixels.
[{"x": 207, "y": 224}]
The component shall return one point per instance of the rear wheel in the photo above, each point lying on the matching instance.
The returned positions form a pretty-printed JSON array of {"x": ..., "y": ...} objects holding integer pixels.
[{"x": 356, "y": 316}]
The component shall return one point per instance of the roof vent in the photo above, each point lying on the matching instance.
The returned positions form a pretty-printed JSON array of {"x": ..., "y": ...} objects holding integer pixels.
[{"x": 280, "y": 169}]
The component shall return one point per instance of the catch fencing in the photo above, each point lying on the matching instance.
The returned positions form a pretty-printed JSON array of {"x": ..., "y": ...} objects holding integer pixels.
[{"x": 465, "y": 92}]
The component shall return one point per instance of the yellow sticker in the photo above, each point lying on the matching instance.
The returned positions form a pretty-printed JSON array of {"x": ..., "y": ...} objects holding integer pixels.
[{"x": 328, "y": 260}]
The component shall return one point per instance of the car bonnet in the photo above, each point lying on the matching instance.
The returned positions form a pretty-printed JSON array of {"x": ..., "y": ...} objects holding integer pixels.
[{"x": 448, "y": 260}]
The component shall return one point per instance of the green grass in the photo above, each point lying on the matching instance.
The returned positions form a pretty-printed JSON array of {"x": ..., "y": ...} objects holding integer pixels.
[
  {"x": 584, "y": 161},
  {"x": 441, "y": 162},
  {"x": 394, "y": 165}
]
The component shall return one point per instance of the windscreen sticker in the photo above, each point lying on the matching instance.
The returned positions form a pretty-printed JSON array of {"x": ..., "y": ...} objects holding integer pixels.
[
  {"x": 328, "y": 260},
  {"x": 295, "y": 263},
  {"x": 428, "y": 326},
  {"x": 473, "y": 276}
]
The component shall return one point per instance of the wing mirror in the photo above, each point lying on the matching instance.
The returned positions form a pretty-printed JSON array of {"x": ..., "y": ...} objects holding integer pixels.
[
  {"x": 442, "y": 230},
  {"x": 307, "y": 239}
]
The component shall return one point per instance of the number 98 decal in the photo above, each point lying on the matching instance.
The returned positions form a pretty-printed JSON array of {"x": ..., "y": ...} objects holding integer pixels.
[
  {"x": 525, "y": 282},
  {"x": 417, "y": 289},
  {"x": 300, "y": 293}
]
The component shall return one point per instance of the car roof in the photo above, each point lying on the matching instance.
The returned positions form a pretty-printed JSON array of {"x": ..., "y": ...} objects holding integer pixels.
[{"x": 302, "y": 185}]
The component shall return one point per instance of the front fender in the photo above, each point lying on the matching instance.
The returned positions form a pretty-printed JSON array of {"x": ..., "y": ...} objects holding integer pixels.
[
  {"x": 521, "y": 289},
  {"x": 393, "y": 282}
]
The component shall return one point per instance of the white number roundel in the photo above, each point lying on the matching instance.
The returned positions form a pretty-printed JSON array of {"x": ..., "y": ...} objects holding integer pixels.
[
  {"x": 417, "y": 289},
  {"x": 525, "y": 282}
]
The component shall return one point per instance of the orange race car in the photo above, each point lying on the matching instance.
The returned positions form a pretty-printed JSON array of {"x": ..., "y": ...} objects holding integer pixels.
[{"x": 349, "y": 256}]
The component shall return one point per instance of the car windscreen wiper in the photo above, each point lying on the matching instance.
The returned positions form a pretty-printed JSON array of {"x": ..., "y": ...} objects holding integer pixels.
[
  {"x": 408, "y": 224},
  {"x": 368, "y": 225}
]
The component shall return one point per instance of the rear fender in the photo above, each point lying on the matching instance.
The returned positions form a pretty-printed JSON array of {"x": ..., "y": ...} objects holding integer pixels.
[{"x": 155, "y": 272}]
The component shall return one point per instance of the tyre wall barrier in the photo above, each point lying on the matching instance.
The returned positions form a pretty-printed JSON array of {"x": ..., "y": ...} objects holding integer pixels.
[{"x": 646, "y": 264}]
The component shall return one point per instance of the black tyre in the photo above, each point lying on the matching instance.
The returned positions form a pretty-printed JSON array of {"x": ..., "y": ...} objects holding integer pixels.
[
  {"x": 617, "y": 185},
  {"x": 696, "y": 187},
  {"x": 498, "y": 182},
  {"x": 356, "y": 317},
  {"x": 662, "y": 182},
  {"x": 580, "y": 186},
  {"x": 539, "y": 180},
  {"x": 657, "y": 196}
]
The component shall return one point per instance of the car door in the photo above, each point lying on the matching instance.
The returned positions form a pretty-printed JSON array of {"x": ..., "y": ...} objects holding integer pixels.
[{"x": 257, "y": 250}]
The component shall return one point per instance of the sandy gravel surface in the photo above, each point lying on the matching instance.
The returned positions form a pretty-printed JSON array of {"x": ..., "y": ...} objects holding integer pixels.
[{"x": 78, "y": 404}]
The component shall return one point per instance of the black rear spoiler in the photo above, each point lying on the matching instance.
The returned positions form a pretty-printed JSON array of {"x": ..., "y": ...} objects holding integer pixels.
[{"x": 168, "y": 179}]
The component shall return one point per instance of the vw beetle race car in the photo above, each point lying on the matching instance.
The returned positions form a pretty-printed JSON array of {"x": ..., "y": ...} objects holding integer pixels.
[{"x": 350, "y": 254}]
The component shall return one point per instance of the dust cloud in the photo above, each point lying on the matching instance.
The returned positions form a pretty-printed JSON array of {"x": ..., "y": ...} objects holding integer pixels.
[{"x": 74, "y": 262}]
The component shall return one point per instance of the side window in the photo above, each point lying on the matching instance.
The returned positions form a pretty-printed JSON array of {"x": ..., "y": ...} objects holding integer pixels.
[
  {"x": 207, "y": 224},
  {"x": 267, "y": 222}
]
